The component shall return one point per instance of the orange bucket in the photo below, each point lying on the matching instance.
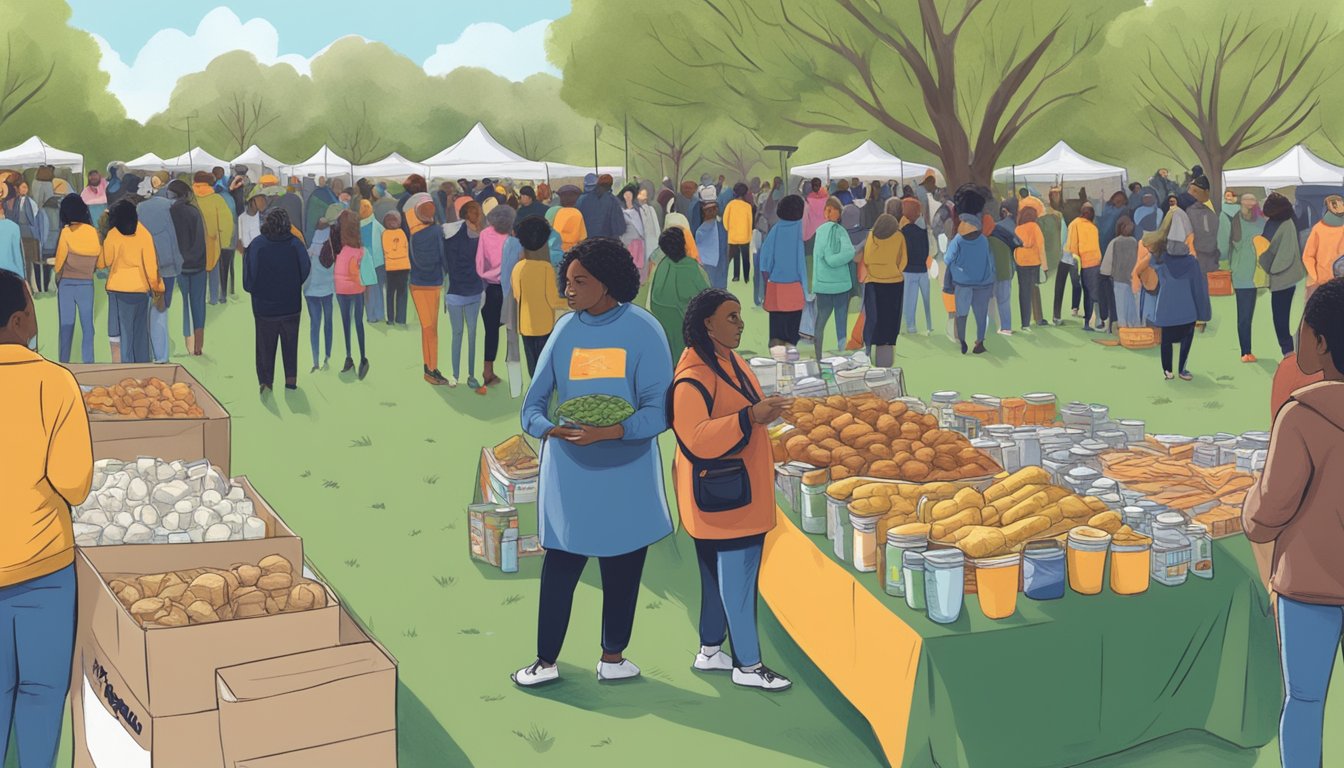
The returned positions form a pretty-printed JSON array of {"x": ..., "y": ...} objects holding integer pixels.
[{"x": 1220, "y": 283}]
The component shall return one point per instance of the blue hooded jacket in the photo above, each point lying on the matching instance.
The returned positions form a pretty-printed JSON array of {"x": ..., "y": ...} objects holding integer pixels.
[
  {"x": 1182, "y": 291},
  {"x": 968, "y": 257},
  {"x": 782, "y": 253}
]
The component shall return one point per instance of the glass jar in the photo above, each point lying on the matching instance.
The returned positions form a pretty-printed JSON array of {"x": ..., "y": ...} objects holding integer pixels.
[
  {"x": 842, "y": 544},
  {"x": 789, "y": 481},
  {"x": 1168, "y": 524},
  {"x": 996, "y": 580},
  {"x": 1040, "y": 408},
  {"x": 766, "y": 374},
  {"x": 1087, "y": 559},
  {"x": 897, "y": 545},
  {"x": 1130, "y": 567},
  {"x": 1135, "y": 518},
  {"x": 1043, "y": 570},
  {"x": 835, "y": 510},
  {"x": 941, "y": 406},
  {"x": 813, "y": 516},
  {"x": 1201, "y": 550},
  {"x": 1028, "y": 446},
  {"x": 865, "y": 543},
  {"x": 944, "y": 584},
  {"x": 1171, "y": 561},
  {"x": 912, "y": 576}
]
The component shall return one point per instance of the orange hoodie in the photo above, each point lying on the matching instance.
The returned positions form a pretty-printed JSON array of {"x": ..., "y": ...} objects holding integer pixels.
[
  {"x": 396, "y": 251},
  {"x": 1325, "y": 245},
  {"x": 569, "y": 223}
]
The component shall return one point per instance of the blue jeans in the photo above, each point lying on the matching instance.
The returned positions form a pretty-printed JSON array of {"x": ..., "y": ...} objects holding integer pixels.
[
  {"x": 829, "y": 304},
  {"x": 37, "y": 646},
  {"x": 1126, "y": 305},
  {"x": 1003, "y": 296},
  {"x": 1309, "y": 638},
  {"x": 375, "y": 301},
  {"x": 75, "y": 301},
  {"x": 158, "y": 323},
  {"x": 130, "y": 323},
  {"x": 352, "y": 307},
  {"x": 212, "y": 277},
  {"x": 973, "y": 299},
  {"x": 916, "y": 288},
  {"x": 193, "y": 301},
  {"x": 319, "y": 314},
  {"x": 807, "y": 325},
  {"x": 728, "y": 573}
]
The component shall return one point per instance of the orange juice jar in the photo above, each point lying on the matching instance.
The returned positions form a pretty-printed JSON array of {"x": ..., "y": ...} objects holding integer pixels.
[
  {"x": 996, "y": 580},
  {"x": 1087, "y": 559},
  {"x": 1131, "y": 566}
]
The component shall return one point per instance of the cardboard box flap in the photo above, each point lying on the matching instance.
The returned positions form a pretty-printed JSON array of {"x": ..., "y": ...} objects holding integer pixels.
[
  {"x": 300, "y": 671},
  {"x": 376, "y": 751}
]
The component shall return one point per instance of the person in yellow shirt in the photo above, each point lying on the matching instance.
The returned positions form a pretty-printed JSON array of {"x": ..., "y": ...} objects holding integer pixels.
[
  {"x": 397, "y": 262},
  {"x": 885, "y": 257},
  {"x": 535, "y": 288},
  {"x": 77, "y": 252},
  {"x": 133, "y": 275},
  {"x": 46, "y": 467},
  {"x": 739, "y": 216},
  {"x": 1084, "y": 242},
  {"x": 568, "y": 220}
]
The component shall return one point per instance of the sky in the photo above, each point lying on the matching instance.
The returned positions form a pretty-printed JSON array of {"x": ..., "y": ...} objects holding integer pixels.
[{"x": 144, "y": 62}]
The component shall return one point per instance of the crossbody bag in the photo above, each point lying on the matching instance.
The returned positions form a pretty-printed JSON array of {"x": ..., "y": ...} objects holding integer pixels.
[{"x": 722, "y": 483}]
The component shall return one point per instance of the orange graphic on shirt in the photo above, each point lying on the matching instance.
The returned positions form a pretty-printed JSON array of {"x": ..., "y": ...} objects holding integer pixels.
[{"x": 606, "y": 363}]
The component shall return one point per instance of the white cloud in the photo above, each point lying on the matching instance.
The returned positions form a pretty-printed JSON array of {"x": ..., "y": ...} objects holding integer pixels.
[{"x": 508, "y": 53}]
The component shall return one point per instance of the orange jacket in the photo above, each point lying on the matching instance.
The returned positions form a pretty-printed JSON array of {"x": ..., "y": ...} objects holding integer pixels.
[
  {"x": 1324, "y": 246},
  {"x": 1085, "y": 243},
  {"x": 569, "y": 223},
  {"x": 396, "y": 251},
  {"x": 1032, "y": 252}
]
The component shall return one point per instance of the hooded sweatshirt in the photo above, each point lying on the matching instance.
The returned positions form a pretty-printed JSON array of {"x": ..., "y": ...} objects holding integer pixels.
[
  {"x": 77, "y": 252},
  {"x": 1236, "y": 241},
  {"x": 190, "y": 235},
  {"x": 1282, "y": 259},
  {"x": 459, "y": 246},
  {"x": 814, "y": 214},
  {"x": 782, "y": 257},
  {"x": 831, "y": 257},
  {"x": 275, "y": 268},
  {"x": 130, "y": 261},
  {"x": 219, "y": 222},
  {"x": 1084, "y": 243},
  {"x": 1032, "y": 251},
  {"x": 1182, "y": 291},
  {"x": 1122, "y": 254},
  {"x": 156, "y": 214},
  {"x": 602, "y": 215},
  {"x": 534, "y": 288},
  {"x": 1325, "y": 246},
  {"x": 968, "y": 257},
  {"x": 569, "y": 222},
  {"x": 738, "y": 216},
  {"x": 1003, "y": 243},
  {"x": 884, "y": 253},
  {"x": 1148, "y": 216},
  {"x": 1295, "y": 503}
]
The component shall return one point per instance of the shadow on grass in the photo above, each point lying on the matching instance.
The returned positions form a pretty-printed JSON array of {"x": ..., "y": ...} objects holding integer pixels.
[
  {"x": 421, "y": 739},
  {"x": 493, "y": 405},
  {"x": 297, "y": 401},
  {"x": 1189, "y": 749}
]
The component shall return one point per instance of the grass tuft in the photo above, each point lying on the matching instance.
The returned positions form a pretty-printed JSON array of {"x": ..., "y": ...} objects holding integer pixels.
[
  {"x": 537, "y": 738},
  {"x": 445, "y": 581},
  {"x": 488, "y": 699},
  {"x": 1162, "y": 400},
  {"x": 511, "y": 599},
  {"x": 430, "y": 440},
  {"x": 1213, "y": 405},
  {"x": 655, "y": 605},
  {"x": 330, "y": 484},
  {"x": 603, "y": 743},
  {"x": 306, "y": 473},
  {"x": 411, "y": 633},
  {"x": 431, "y": 479},
  {"x": 386, "y": 404},
  {"x": 469, "y": 631},
  {"x": 352, "y": 563},
  {"x": 415, "y": 532},
  {"x": 379, "y": 505},
  {"x": 361, "y": 442}
]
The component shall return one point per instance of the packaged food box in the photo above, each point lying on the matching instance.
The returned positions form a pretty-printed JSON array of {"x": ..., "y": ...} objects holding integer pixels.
[
  {"x": 509, "y": 472},
  {"x": 487, "y": 523}
]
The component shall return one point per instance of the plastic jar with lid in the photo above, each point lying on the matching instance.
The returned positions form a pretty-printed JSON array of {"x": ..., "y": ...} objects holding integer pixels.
[
  {"x": 944, "y": 584},
  {"x": 1087, "y": 559},
  {"x": 1201, "y": 550},
  {"x": 835, "y": 510},
  {"x": 897, "y": 545},
  {"x": 1028, "y": 446},
  {"x": 813, "y": 515},
  {"x": 841, "y": 542},
  {"x": 865, "y": 542},
  {"x": 1043, "y": 570},
  {"x": 1171, "y": 561},
  {"x": 912, "y": 575},
  {"x": 996, "y": 580},
  {"x": 942, "y": 403},
  {"x": 1130, "y": 566}
]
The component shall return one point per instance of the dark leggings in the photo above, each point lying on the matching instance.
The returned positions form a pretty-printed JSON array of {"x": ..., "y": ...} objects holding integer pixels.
[
  {"x": 490, "y": 314},
  {"x": 1106, "y": 299},
  {"x": 532, "y": 346},
  {"x": 1173, "y": 335},
  {"x": 1092, "y": 294},
  {"x": 740, "y": 256},
  {"x": 1067, "y": 273},
  {"x": 273, "y": 331},
  {"x": 784, "y": 326},
  {"x": 1281, "y": 305},
  {"x": 352, "y": 305},
  {"x": 397, "y": 295},
  {"x": 1028, "y": 294},
  {"x": 1246, "y": 298},
  {"x": 560, "y": 572}
]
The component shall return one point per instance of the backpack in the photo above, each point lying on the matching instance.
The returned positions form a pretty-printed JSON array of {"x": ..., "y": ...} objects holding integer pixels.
[{"x": 1338, "y": 267}]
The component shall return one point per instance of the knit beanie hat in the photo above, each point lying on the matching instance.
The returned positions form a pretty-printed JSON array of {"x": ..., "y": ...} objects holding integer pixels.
[{"x": 533, "y": 233}]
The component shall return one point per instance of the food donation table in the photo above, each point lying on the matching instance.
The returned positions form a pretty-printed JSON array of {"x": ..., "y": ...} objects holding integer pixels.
[{"x": 1057, "y": 684}]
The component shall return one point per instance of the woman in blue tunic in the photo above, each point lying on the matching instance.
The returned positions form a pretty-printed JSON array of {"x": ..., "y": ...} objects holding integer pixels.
[{"x": 601, "y": 488}]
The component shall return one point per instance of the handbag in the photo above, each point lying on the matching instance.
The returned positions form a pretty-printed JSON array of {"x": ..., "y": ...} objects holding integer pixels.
[{"x": 720, "y": 484}]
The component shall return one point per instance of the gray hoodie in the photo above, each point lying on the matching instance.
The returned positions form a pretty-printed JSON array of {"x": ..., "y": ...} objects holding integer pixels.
[{"x": 155, "y": 214}]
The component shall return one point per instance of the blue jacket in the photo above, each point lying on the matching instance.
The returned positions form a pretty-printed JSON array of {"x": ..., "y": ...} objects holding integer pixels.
[
  {"x": 274, "y": 270},
  {"x": 782, "y": 256},
  {"x": 460, "y": 257},
  {"x": 969, "y": 260},
  {"x": 156, "y": 214},
  {"x": 1182, "y": 291},
  {"x": 602, "y": 213},
  {"x": 11, "y": 249},
  {"x": 321, "y": 280},
  {"x": 429, "y": 262}
]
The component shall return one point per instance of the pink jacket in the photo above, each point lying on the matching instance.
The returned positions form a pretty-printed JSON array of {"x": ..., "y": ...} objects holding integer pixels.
[
  {"x": 490, "y": 255},
  {"x": 814, "y": 215},
  {"x": 347, "y": 271},
  {"x": 95, "y": 195}
]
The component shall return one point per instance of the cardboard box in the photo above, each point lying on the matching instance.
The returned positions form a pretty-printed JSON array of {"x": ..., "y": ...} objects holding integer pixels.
[
  {"x": 123, "y": 438},
  {"x": 311, "y": 709}
]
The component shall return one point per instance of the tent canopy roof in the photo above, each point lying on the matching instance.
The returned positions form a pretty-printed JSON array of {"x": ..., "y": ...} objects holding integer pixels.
[
  {"x": 1295, "y": 167},
  {"x": 868, "y": 160},
  {"x": 324, "y": 162},
  {"x": 253, "y": 156},
  {"x": 35, "y": 151},
  {"x": 393, "y": 166},
  {"x": 147, "y": 162},
  {"x": 479, "y": 155},
  {"x": 195, "y": 160},
  {"x": 1060, "y": 162}
]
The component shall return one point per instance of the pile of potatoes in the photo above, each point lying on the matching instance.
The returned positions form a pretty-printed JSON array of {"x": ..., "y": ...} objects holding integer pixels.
[
  {"x": 866, "y": 436},
  {"x": 208, "y": 595},
  {"x": 151, "y": 398}
]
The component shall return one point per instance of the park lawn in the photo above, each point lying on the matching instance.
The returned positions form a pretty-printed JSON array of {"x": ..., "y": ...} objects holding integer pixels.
[{"x": 375, "y": 475}]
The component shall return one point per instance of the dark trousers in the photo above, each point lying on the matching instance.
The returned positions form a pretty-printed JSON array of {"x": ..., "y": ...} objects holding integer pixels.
[
  {"x": 1091, "y": 278},
  {"x": 1246, "y": 298},
  {"x": 1106, "y": 299},
  {"x": 560, "y": 572},
  {"x": 740, "y": 257},
  {"x": 491, "y": 310},
  {"x": 271, "y": 331},
  {"x": 1067, "y": 274},
  {"x": 784, "y": 326},
  {"x": 397, "y": 295},
  {"x": 532, "y": 346},
  {"x": 1281, "y": 305},
  {"x": 352, "y": 307},
  {"x": 1029, "y": 294},
  {"x": 225, "y": 267},
  {"x": 1173, "y": 335}
]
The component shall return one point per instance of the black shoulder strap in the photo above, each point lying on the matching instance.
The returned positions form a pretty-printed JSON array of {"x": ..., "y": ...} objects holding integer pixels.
[{"x": 709, "y": 407}]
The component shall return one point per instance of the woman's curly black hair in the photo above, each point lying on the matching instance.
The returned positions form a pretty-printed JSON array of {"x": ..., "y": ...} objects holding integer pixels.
[
  {"x": 1325, "y": 314},
  {"x": 790, "y": 208},
  {"x": 608, "y": 261}
]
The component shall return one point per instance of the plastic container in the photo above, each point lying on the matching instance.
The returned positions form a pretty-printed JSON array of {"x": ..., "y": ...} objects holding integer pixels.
[
  {"x": 1012, "y": 457},
  {"x": 1135, "y": 517},
  {"x": 944, "y": 584},
  {"x": 1043, "y": 570},
  {"x": 835, "y": 509},
  {"x": 912, "y": 576},
  {"x": 1171, "y": 561},
  {"x": 843, "y": 543},
  {"x": 897, "y": 545},
  {"x": 813, "y": 514},
  {"x": 1087, "y": 559},
  {"x": 508, "y": 551},
  {"x": 996, "y": 581},
  {"x": 886, "y": 383},
  {"x": 1201, "y": 550},
  {"x": 1041, "y": 408},
  {"x": 766, "y": 374},
  {"x": 1028, "y": 446},
  {"x": 865, "y": 543},
  {"x": 789, "y": 481},
  {"x": 1130, "y": 567},
  {"x": 1133, "y": 429},
  {"x": 852, "y": 382},
  {"x": 941, "y": 406}
]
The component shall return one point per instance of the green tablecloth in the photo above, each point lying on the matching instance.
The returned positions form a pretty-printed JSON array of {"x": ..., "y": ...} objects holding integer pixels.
[{"x": 1067, "y": 681}]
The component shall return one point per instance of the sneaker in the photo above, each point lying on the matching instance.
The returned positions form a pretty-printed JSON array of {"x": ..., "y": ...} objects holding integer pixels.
[
  {"x": 314, "y": 369},
  {"x": 1005, "y": 332},
  {"x": 349, "y": 366},
  {"x": 472, "y": 383},
  {"x": 761, "y": 677},
  {"x": 537, "y": 674},
  {"x": 265, "y": 388},
  {"x": 452, "y": 381},
  {"x": 979, "y": 348},
  {"x": 326, "y": 364},
  {"x": 1043, "y": 323},
  {"x": 1058, "y": 321},
  {"x": 718, "y": 662},
  {"x": 964, "y": 348},
  {"x": 1026, "y": 329},
  {"x": 1248, "y": 358},
  {"x": 1187, "y": 376},
  {"x": 363, "y": 368},
  {"x": 1089, "y": 329},
  {"x": 625, "y": 670},
  {"x": 1074, "y": 311},
  {"x": 1168, "y": 375}
]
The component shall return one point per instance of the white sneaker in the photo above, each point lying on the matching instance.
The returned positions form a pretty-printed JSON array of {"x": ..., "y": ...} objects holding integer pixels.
[
  {"x": 536, "y": 674},
  {"x": 1005, "y": 332},
  {"x": 625, "y": 670},
  {"x": 761, "y": 677},
  {"x": 716, "y": 662}
]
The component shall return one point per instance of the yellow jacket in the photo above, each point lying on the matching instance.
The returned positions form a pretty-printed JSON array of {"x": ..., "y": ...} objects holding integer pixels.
[
  {"x": 131, "y": 262},
  {"x": 737, "y": 220},
  {"x": 569, "y": 223},
  {"x": 396, "y": 250},
  {"x": 79, "y": 248},
  {"x": 886, "y": 258},
  {"x": 218, "y": 223},
  {"x": 1084, "y": 243},
  {"x": 46, "y": 465},
  {"x": 538, "y": 296}
]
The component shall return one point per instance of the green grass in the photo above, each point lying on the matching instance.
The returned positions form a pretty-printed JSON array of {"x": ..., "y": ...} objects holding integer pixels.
[{"x": 457, "y": 642}]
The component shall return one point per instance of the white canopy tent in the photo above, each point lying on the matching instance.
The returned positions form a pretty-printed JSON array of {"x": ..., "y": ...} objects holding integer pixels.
[
  {"x": 1061, "y": 163},
  {"x": 195, "y": 160},
  {"x": 479, "y": 155},
  {"x": 866, "y": 161},
  {"x": 1296, "y": 167},
  {"x": 35, "y": 151},
  {"x": 394, "y": 166},
  {"x": 324, "y": 163},
  {"x": 257, "y": 161},
  {"x": 147, "y": 162},
  {"x": 566, "y": 171}
]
